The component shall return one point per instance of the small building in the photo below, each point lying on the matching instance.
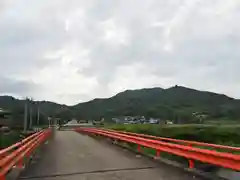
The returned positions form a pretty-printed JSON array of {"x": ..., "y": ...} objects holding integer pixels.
[
  {"x": 4, "y": 118},
  {"x": 82, "y": 121},
  {"x": 153, "y": 121},
  {"x": 169, "y": 122}
]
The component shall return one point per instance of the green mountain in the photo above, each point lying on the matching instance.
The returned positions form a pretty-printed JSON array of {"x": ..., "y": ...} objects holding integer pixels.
[
  {"x": 16, "y": 107},
  {"x": 174, "y": 103},
  {"x": 177, "y": 103}
]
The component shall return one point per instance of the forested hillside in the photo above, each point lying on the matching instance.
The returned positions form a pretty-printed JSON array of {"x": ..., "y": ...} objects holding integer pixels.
[
  {"x": 176, "y": 103},
  {"x": 173, "y": 103}
]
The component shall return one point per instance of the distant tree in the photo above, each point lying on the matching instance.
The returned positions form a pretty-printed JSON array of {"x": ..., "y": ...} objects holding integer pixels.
[{"x": 175, "y": 103}]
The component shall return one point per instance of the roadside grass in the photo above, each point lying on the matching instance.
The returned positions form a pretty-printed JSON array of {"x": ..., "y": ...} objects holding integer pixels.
[
  {"x": 10, "y": 138},
  {"x": 14, "y": 136},
  {"x": 224, "y": 135}
]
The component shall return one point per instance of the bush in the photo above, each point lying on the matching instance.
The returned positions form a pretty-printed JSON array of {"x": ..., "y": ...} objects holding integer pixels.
[{"x": 225, "y": 135}]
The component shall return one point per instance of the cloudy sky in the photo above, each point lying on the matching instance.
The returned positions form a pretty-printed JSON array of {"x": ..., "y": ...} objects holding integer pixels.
[{"x": 69, "y": 51}]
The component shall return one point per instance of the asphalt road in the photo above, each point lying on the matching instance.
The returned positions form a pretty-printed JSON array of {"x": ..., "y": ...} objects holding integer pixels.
[{"x": 72, "y": 156}]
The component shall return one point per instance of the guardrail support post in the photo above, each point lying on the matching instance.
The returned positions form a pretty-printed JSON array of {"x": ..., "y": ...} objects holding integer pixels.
[
  {"x": 20, "y": 163},
  {"x": 28, "y": 154},
  {"x": 2, "y": 178},
  {"x": 191, "y": 163},
  {"x": 139, "y": 148}
]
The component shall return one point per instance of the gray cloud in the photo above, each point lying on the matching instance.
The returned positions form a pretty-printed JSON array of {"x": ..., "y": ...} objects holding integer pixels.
[
  {"x": 77, "y": 50},
  {"x": 16, "y": 87}
]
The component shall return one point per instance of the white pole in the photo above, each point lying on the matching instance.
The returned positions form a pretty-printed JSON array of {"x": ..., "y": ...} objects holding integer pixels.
[
  {"x": 30, "y": 124},
  {"x": 49, "y": 122},
  {"x": 25, "y": 117},
  {"x": 38, "y": 116}
]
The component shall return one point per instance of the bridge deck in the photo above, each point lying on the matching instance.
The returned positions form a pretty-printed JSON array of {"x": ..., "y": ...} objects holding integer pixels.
[{"x": 69, "y": 154}]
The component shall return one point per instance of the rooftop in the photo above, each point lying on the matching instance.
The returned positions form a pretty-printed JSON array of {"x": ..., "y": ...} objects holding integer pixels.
[{"x": 3, "y": 111}]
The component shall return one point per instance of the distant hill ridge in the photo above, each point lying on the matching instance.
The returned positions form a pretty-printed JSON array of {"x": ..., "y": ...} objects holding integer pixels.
[{"x": 173, "y": 103}]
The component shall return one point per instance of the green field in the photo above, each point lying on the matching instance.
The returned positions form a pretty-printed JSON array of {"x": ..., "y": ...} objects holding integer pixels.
[
  {"x": 10, "y": 138},
  {"x": 218, "y": 134}
]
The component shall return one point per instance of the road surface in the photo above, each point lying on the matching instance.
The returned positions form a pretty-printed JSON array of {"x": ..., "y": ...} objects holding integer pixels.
[{"x": 72, "y": 156}]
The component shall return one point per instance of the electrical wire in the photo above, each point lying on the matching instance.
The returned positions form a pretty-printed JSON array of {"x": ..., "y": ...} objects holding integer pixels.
[{"x": 87, "y": 172}]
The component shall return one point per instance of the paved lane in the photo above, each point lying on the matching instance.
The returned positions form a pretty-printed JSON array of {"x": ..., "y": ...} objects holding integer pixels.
[{"x": 70, "y": 153}]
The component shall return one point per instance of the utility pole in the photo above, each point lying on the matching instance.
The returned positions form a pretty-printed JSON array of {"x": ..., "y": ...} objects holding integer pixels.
[
  {"x": 49, "y": 122},
  {"x": 30, "y": 124},
  {"x": 38, "y": 116},
  {"x": 25, "y": 116}
]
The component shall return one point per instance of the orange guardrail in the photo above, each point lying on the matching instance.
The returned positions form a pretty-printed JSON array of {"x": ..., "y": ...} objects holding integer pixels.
[
  {"x": 16, "y": 154},
  {"x": 222, "y": 159},
  {"x": 179, "y": 141}
]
